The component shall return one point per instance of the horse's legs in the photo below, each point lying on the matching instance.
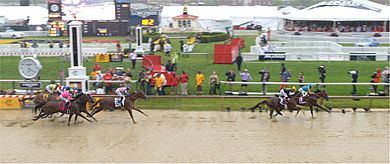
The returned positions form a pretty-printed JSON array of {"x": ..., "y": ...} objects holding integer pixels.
[
  {"x": 96, "y": 110},
  {"x": 89, "y": 115},
  {"x": 131, "y": 115},
  {"x": 70, "y": 117},
  {"x": 270, "y": 112},
  {"x": 298, "y": 109},
  {"x": 75, "y": 119},
  {"x": 138, "y": 110},
  {"x": 79, "y": 114},
  {"x": 319, "y": 106},
  {"x": 311, "y": 111}
]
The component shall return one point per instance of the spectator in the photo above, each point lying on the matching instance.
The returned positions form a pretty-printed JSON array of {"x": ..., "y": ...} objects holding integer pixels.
[
  {"x": 108, "y": 76},
  {"x": 181, "y": 47},
  {"x": 164, "y": 83},
  {"x": 301, "y": 79},
  {"x": 386, "y": 79},
  {"x": 93, "y": 74},
  {"x": 98, "y": 78},
  {"x": 282, "y": 69},
  {"x": 161, "y": 43},
  {"x": 375, "y": 78},
  {"x": 51, "y": 45},
  {"x": 245, "y": 77},
  {"x": 239, "y": 62},
  {"x": 151, "y": 45},
  {"x": 167, "y": 49},
  {"x": 174, "y": 59},
  {"x": 148, "y": 78},
  {"x": 169, "y": 66},
  {"x": 231, "y": 77},
  {"x": 199, "y": 78},
  {"x": 118, "y": 48},
  {"x": 322, "y": 71},
  {"x": 23, "y": 44},
  {"x": 158, "y": 84},
  {"x": 184, "y": 79},
  {"x": 198, "y": 38},
  {"x": 133, "y": 58},
  {"x": 265, "y": 75},
  {"x": 354, "y": 76},
  {"x": 61, "y": 45},
  {"x": 97, "y": 67},
  {"x": 175, "y": 82},
  {"x": 213, "y": 82},
  {"x": 142, "y": 81},
  {"x": 286, "y": 76}
]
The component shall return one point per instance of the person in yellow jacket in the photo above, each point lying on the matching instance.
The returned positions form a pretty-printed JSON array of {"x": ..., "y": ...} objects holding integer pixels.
[
  {"x": 158, "y": 83},
  {"x": 199, "y": 78}
]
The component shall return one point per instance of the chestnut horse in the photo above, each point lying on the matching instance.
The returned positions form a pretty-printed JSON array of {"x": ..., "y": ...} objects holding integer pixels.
[
  {"x": 40, "y": 99},
  {"x": 311, "y": 100},
  {"x": 109, "y": 102},
  {"x": 273, "y": 105}
]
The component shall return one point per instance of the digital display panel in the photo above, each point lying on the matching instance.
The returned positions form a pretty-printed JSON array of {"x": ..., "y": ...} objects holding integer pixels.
[{"x": 87, "y": 10}]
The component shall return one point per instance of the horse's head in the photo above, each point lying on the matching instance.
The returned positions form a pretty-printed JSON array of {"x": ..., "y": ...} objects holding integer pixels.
[
  {"x": 84, "y": 97},
  {"x": 323, "y": 94},
  {"x": 140, "y": 94}
]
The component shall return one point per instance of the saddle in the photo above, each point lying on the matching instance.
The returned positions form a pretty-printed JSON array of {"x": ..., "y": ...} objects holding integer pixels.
[{"x": 302, "y": 100}]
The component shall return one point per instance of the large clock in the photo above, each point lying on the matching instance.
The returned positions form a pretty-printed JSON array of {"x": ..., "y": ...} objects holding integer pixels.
[
  {"x": 29, "y": 67},
  {"x": 54, "y": 8}
]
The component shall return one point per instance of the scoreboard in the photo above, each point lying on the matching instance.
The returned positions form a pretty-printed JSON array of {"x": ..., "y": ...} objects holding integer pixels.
[{"x": 144, "y": 18}]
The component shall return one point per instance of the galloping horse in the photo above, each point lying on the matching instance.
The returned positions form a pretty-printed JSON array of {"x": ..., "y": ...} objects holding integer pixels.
[
  {"x": 40, "y": 99},
  {"x": 311, "y": 100},
  {"x": 109, "y": 102},
  {"x": 273, "y": 105},
  {"x": 52, "y": 107}
]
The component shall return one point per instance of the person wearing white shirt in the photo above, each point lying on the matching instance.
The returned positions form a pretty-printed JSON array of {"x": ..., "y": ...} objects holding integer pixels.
[
  {"x": 167, "y": 49},
  {"x": 133, "y": 58}
]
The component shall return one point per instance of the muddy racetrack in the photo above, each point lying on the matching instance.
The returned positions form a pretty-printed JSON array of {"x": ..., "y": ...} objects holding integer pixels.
[{"x": 177, "y": 136}]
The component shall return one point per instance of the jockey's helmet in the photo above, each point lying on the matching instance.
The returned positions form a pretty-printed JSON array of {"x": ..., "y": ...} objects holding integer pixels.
[
  {"x": 293, "y": 89},
  {"x": 310, "y": 85},
  {"x": 128, "y": 87}
]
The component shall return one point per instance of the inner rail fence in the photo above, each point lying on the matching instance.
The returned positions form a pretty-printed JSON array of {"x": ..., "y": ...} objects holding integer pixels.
[{"x": 224, "y": 87}]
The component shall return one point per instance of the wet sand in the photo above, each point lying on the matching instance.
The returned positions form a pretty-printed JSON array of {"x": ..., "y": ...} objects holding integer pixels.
[{"x": 177, "y": 136}]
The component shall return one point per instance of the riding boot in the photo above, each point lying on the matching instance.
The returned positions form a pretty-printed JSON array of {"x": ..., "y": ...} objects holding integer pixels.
[
  {"x": 281, "y": 101},
  {"x": 123, "y": 101},
  {"x": 67, "y": 107}
]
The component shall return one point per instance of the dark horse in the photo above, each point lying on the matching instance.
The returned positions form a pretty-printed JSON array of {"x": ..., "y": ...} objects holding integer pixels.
[
  {"x": 273, "y": 105},
  {"x": 42, "y": 98},
  {"x": 52, "y": 107},
  {"x": 311, "y": 100},
  {"x": 109, "y": 102}
]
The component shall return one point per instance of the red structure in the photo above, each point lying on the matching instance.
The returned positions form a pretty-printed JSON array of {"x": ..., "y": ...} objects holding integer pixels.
[
  {"x": 227, "y": 53},
  {"x": 153, "y": 63}
]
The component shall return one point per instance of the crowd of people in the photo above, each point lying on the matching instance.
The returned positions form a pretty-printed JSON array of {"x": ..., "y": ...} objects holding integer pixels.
[{"x": 329, "y": 28}]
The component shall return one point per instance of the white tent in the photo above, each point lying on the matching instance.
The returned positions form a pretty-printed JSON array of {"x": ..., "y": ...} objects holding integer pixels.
[
  {"x": 343, "y": 10},
  {"x": 287, "y": 10},
  {"x": 217, "y": 17},
  {"x": 38, "y": 15}
]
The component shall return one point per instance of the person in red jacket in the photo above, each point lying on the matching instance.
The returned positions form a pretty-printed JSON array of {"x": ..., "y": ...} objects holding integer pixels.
[
  {"x": 376, "y": 78},
  {"x": 184, "y": 79},
  {"x": 97, "y": 67},
  {"x": 175, "y": 82},
  {"x": 108, "y": 76}
]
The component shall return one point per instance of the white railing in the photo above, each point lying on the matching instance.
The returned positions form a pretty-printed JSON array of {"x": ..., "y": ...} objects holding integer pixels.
[{"x": 339, "y": 39}]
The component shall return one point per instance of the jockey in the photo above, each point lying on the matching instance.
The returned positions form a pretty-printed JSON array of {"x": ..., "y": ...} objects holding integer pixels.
[
  {"x": 305, "y": 90},
  {"x": 285, "y": 93},
  {"x": 123, "y": 91},
  {"x": 66, "y": 97},
  {"x": 53, "y": 88}
]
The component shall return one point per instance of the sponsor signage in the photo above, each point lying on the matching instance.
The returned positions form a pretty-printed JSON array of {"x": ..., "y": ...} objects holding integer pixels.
[
  {"x": 30, "y": 84},
  {"x": 346, "y": 3},
  {"x": 144, "y": 18},
  {"x": 9, "y": 103},
  {"x": 362, "y": 58},
  {"x": 272, "y": 57},
  {"x": 116, "y": 57}
]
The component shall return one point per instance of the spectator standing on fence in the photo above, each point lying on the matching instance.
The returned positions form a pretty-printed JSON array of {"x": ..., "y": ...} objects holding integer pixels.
[
  {"x": 97, "y": 67},
  {"x": 239, "y": 62},
  {"x": 133, "y": 58},
  {"x": 199, "y": 78},
  {"x": 184, "y": 79},
  {"x": 375, "y": 78},
  {"x": 386, "y": 79},
  {"x": 230, "y": 77},
  {"x": 213, "y": 82},
  {"x": 265, "y": 75},
  {"x": 286, "y": 76},
  {"x": 175, "y": 82},
  {"x": 354, "y": 76},
  {"x": 245, "y": 77},
  {"x": 108, "y": 76},
  {"x": 301, "y": 79}
]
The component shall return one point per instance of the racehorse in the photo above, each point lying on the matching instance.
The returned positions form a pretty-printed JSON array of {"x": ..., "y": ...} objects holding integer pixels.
[
  {"x": 40, "y": 99},
  {"x": 52, "y": 107},
  {"x": 273, "y": 105},
  {"x": 109, "y": 102},
  {"x": 311, "y": 100}
]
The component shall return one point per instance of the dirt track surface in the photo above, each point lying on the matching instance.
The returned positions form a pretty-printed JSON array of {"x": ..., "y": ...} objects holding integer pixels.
[{"x": 176, "y": 136}]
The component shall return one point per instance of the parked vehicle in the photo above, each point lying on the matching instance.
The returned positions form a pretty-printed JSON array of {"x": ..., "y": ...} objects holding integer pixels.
[
  {"x": 367, "y": 42},
  {"x": 11, "y": 34}
]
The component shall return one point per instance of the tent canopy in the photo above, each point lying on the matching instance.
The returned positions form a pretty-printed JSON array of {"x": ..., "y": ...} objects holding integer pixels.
[
  {"x": 38, "y": 15},
  {"x": 343, "y": 10}
]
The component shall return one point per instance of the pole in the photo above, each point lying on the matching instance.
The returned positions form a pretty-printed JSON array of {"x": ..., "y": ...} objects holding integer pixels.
[{"x": 130, "y": 29}]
